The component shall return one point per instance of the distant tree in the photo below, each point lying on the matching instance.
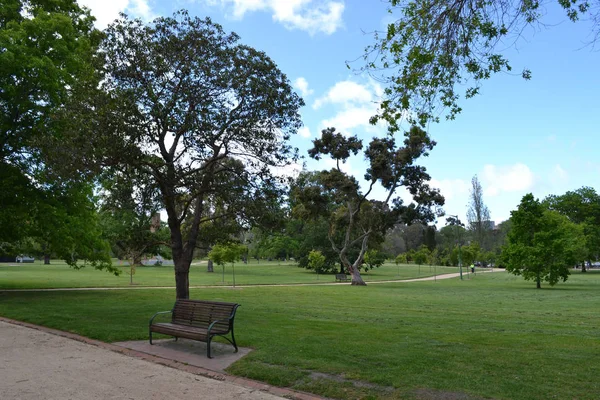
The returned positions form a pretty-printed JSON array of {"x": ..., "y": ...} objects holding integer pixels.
[
  {"x": 203, "y": 117},
  {"x": 394, "y": 242},
  {"x": 316, "y": 261},
  {"x": 582, "y": 207},
  {"x": 353, "y": 218},
  {"x": 422, "y": 255},
  {"x": 222, "y": 254},
  {"x": 478, "y": 214},
  {"x": 130, "y": 219},
  {"x": 373, "y": 259},
  {"x": 542, "y": 244},
  {"x": 429, "y": 237},
  {"x": 400, "y": 259},
  {"x": 436, "y": 46},
  {"x": 455, "y": 229}
]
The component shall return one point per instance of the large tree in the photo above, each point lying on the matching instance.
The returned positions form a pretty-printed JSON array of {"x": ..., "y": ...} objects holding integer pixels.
[
  {"x": 542, "y": 244},
  {"x": 435, "y": 46},
  {"x": 478, "y": 213},
  {"x": 582, "y": 206},
  {"x": 204, "y": 117},
  {"x": 47, "y": 49},
  {"x": 353, "y": 218}
]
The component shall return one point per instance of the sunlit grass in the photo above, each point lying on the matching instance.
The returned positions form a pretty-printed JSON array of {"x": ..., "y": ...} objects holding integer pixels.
[
  {"x": 60, "y": 275},
  {"x": 493, "y": 336}
]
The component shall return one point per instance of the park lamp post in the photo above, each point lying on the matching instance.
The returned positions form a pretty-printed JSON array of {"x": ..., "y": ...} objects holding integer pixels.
[{"x": 453, "y": 220}]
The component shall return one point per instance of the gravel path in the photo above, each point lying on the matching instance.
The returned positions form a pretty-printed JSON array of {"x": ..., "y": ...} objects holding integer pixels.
[{"x": 35, "y": 364}]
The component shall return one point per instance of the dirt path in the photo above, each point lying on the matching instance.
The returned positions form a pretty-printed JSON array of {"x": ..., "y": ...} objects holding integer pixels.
[{"x": 428, "y": 278}]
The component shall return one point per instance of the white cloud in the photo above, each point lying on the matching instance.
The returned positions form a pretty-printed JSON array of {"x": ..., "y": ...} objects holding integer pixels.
[
  {"x": 345, "y": 92},
  {"x": 354, "y": 104},
  {"x": 508, "y": 178},
  {"x": 452, "y": 188},
  {"x": 308, "y": 15},
  {"x": 106, "y": 11},
  {"x": 350, "y": 118},
  {"x": 302, "y": 85},
  {"x": 304, "y": 132}
]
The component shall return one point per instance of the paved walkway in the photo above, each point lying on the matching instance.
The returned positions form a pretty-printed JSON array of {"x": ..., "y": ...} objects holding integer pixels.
[{"x": 40, "y": 363}]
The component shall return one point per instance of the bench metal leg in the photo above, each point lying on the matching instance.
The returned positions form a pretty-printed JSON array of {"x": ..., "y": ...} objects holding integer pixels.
[
  {"x": 233, "y": 342},
  {"x": 208, "y": 347},
  {"x": 150, "y": 332}
]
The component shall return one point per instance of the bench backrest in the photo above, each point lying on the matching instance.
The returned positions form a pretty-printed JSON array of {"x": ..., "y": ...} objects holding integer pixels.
[{"x": 202, "y": 313}]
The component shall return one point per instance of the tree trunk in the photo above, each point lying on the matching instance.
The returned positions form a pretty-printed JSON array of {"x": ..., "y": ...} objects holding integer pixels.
[
  {"x": 182, "y": 283},
  {"x": 538, "y": 282},
  {"x": 46, "y": 259},
  {"x": 209, "y": 266},
  {"x": 342, "y": 268},
  {"x": 356, "y": 278},
  {"x": 583, "y": 269}
]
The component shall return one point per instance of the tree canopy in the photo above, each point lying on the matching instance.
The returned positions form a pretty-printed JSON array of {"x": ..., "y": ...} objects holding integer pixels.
[
  {"x": 353, "y": 218},
  {"x": 203, "y": 117},
  {"x": 581, "y": 206},
  {"x": 542, "y": 244}
]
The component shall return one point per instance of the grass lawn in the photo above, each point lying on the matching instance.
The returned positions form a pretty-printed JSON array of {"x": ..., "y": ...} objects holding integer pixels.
[
  {"x": 60, "y": 275},
  {"x": 493, "y": 336}
]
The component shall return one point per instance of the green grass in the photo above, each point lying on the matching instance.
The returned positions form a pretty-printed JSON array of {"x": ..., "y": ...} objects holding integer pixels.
[
  {"x": 60, "y": 275},
  {"x": 493, "y": 336}
]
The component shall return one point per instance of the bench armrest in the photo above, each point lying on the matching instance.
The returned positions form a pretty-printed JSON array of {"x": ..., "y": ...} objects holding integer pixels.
[
  {"x": 161, "y": 312},
  {"x": 216, "y": 321}
]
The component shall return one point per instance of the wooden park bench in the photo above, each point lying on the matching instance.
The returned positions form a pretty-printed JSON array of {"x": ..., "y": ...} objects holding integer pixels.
[
  {"x": 198, "y": 320},
  {"x": 341, "y": 277}
]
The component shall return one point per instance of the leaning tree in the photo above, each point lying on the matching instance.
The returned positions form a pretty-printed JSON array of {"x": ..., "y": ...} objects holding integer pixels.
[
  {"x": 353, "y": 216},
  {"x": 205, "y": 118}
]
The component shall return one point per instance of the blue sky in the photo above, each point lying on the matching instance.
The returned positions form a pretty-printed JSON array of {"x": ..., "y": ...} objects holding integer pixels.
[{"x": 538, "y": 136}]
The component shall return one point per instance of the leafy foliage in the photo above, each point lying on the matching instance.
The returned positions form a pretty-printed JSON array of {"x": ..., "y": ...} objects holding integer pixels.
[
  {"x": 542, "y": 244},
  {"x": 47, "y": 49},
  {"x": 582, "y": 207},
  {"x": 353, "y": 218},
  {"x": 316, "y": 260},
  {"x": 436, "y": 45},
  {"x": 204, "y": 118}
]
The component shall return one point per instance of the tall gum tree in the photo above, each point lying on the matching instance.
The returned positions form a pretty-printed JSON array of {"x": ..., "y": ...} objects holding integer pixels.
[
  {"x": 478, "y": 214},
  {"x": 354, "y": 219},
  {"x": 201, "y": 115}
]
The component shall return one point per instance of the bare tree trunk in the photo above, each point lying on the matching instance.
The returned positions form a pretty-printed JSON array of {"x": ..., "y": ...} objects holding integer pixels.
[
  {"x": 538, "y": 282},
  {"x": 182, "y": 282},
  {"x": 46, "y": 259},
  {"x": 356, "y": 278},
  {"x": 209, "y": 266},
  {"x": 583, "y": 269}
]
